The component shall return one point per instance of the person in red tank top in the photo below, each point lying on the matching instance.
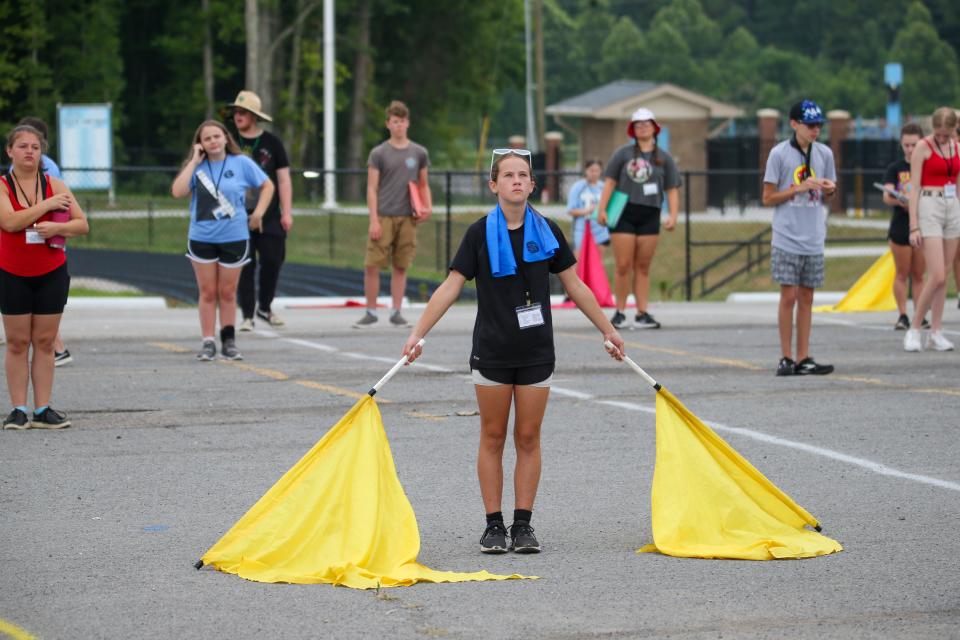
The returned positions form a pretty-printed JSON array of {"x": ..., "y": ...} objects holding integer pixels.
[
  {"x": 34, "y": 281},
  {"x": 934, "y": 224}
]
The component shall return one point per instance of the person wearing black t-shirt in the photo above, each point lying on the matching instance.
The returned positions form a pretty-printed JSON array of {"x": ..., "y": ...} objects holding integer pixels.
[
  {"x": 909, "y": 260},
  {"x": 511, "y": 253},
  {"x": 269, "y": 244}
]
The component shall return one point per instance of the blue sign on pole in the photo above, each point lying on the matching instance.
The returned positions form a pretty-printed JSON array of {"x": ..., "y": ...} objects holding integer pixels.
[
  {"x": 893, "y": 74},
  {"x": 85, "y": 136}
]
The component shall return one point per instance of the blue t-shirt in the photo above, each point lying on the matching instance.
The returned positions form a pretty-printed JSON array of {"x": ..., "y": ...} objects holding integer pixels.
[
  {"x": 217, "y": 209},
  {"x": 583, "y": 195},
  {"x": 50, "y": 167}
]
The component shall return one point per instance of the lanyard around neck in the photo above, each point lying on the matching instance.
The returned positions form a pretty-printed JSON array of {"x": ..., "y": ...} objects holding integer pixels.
[
  {"x": 216, "y": 185},
  {"x": 946, "y": 161},
  {"x": 36, "y": 190},
  {"x": 806, "y": 156}
]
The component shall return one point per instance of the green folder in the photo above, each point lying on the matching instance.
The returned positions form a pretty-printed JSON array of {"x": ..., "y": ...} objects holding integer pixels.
[{"x": 618, "y": 200}]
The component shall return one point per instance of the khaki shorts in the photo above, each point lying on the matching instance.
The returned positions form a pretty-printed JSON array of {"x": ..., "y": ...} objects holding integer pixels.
[
  {"x": 398, "y": 238},
  {"x": 939, "y": 217}
]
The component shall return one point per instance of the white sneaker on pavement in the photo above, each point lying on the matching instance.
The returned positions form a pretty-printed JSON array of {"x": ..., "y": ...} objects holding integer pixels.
[
  {"x": 938, "y": 342},
  {"x": 911, "y": 340}
]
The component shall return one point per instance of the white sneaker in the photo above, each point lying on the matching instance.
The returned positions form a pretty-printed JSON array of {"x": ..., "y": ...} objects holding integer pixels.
[
  {"x": 937, "y": 342},
  {"x": 246, "y": 325},
  {"x": 911, "y": 340}
]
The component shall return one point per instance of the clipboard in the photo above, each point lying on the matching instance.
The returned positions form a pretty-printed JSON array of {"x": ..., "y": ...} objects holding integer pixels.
[
  {"x": 902, "y": 197},
  {"x": 415, "y": 200},
  {"x": 616, "y": 204}
]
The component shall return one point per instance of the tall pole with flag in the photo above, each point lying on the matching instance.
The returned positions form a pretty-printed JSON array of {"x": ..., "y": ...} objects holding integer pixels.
[{"x": 893, "y": 78}]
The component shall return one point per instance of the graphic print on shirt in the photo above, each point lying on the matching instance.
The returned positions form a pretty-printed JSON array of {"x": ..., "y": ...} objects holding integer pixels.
[
  {"x": 811, "y": 197},
  {"x": 903, "y": 182},
  {"x": 639, "y": 169},
  {"x": 588, "y": 199},
  {"x": 211, "y": 204}
]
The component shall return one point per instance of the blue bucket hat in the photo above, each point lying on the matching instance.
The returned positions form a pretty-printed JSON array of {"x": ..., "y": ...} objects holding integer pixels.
[{"x": 807, "y": 112}]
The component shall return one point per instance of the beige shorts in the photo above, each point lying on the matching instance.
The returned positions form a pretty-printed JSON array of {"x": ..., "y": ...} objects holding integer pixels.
[
  {"x": 939, "y": 217},
  {"x": 397, "y": 243}
]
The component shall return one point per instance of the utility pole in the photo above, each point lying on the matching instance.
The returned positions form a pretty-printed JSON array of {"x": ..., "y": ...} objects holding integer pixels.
[
  {"x": 541, "y": 85},
  {"x": 329, "y": 110},
  {"x": 532, "y": 138}
]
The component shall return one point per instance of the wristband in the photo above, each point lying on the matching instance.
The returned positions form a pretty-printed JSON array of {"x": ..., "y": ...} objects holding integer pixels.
[{"x": 914, "y": 229}]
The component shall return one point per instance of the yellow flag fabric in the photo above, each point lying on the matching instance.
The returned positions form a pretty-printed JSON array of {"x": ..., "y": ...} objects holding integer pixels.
[
  {"x": 338, "y": 516},
  {"x": 872, "y": 292},
  {"x": 710, "y": 502}
]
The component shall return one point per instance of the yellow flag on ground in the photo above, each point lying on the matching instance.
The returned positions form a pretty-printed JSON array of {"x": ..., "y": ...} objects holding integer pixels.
[
  {"x": 338, "y": 516},
  {"x": 872, "y": 292},
  {"x": 710, "y": 502}
]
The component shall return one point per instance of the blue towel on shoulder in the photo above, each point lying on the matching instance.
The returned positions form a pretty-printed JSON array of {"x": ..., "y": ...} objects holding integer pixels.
[{"x": 539, "y": 243}]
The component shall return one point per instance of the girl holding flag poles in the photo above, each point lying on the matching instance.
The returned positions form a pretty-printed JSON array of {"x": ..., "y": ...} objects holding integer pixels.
[
  {"x": 511, "y": 253},
  {"x": 216, "y": 176}
]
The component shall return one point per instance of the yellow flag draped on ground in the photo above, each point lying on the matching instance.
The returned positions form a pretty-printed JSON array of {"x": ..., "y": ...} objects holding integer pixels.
[
  {"x": 338, "y": 516},
  {"x": 710, "y": 502},
  {"x": 872, "y": 292}
]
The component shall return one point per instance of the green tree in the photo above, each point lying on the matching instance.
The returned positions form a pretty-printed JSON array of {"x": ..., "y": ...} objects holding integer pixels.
[{"x": 930, "y": 72}]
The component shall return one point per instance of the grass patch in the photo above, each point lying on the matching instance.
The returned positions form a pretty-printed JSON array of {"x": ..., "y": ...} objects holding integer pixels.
[{"x": 84, "y": 292}]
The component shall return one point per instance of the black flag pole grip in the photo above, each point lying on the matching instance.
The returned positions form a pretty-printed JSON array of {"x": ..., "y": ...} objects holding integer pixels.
[{"x": 393, "y": 370}]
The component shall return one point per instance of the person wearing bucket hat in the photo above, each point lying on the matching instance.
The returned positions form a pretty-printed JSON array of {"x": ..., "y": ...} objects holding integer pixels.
[
  {"x": 645, "y": 175},
  {"x": 268, "y": 244},
  {"x": 800, "y": 175}
]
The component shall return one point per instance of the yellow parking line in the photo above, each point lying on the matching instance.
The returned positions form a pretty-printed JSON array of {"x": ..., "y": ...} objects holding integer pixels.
[
  {"x": 425, "y": 416},
  {"x": 350, "y": 393},
  {"x": 730, "y": 362},
  {"x": 13, "y": 631},
  {"x": 168, "y": 346},
  {"x": 269, "y": 373}
]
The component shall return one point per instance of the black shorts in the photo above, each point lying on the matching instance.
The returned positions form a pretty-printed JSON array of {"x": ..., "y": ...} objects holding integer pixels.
[
  {"x": 639, "y": 220},
  {"x": 38, "y": 295},
  {"x": 899, "y": 230},
  {"x": 227, "y": 254},
  {"x": 534, "y": 375}
]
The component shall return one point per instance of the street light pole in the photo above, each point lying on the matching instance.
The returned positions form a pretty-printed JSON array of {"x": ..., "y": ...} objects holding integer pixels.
[{"x": 329, "y": 109}]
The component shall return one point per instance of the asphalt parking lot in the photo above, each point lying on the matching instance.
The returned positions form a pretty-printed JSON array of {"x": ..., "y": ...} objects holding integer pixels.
[{"x": 101, "y": 523}]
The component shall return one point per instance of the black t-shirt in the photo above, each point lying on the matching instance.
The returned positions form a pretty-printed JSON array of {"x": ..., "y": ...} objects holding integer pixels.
[
  {"x": 268, "y": 152},
  {"x": 498, "y": 340},
  {"x": 898, "y": 174}
]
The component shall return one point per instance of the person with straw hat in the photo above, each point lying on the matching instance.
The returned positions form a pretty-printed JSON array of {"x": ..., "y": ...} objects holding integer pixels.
[{"x": 268, "y": 244}]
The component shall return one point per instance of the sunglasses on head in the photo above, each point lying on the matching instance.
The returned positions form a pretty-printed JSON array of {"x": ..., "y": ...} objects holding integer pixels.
[{"x": 524, "y": 153}]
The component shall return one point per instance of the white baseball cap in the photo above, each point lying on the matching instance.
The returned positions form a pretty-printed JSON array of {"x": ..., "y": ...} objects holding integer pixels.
[{"x": 640, "y": 115}]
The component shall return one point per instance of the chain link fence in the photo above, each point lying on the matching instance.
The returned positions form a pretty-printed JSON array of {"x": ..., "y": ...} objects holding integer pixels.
[{"x": 720, "y": 243}]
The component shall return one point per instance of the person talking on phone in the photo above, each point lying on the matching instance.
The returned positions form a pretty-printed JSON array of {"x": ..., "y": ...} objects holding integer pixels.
[
  {"x": 34, "y": 281},
  {"x": 216, "y": 175}
]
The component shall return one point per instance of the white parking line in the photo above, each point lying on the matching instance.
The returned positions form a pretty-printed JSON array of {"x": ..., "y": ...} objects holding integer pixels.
[{"x": 869, "y": 465}]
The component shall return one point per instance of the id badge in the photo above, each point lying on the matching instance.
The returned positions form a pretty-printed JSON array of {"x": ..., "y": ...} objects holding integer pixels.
[
  {"x": 950, "y": 190},
  {"x": 33, "y": 237},
  {"x": 650, "y": 189},
  {"x": 529, "y": 315}
]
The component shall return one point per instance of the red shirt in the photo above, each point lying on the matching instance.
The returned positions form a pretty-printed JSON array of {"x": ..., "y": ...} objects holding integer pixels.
[
  {"x": 22, "y": 259},
  {"x": 939, "y": 171}
]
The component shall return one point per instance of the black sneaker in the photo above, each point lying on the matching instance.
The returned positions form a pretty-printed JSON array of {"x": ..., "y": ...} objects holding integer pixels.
[
  {"x": 522, "y": 539},
  {"x": 786, "y": 367},
  {"x": 494, "y": 538},
  {"x": 49, "y": 419},
  {"x": 61, "y": 358},
  {"x": 16, "y": 420},
  {"x": 903, "y": 323},
  {"x": 618, "y": 320},
  {"x": 925, "y": 324},
  {"x": 645, "y": 321},
  {"x": 398, "y": 320},
  {"x": 229, "y": 350},
  {"x": 807, "y": 367}
]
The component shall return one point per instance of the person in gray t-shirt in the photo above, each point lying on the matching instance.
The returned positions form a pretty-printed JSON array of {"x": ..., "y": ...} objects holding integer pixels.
[
  {"x": 647, "y": 175},
  {"x": 800, "y": 175},
  {"x": 398, "y": 199}
]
